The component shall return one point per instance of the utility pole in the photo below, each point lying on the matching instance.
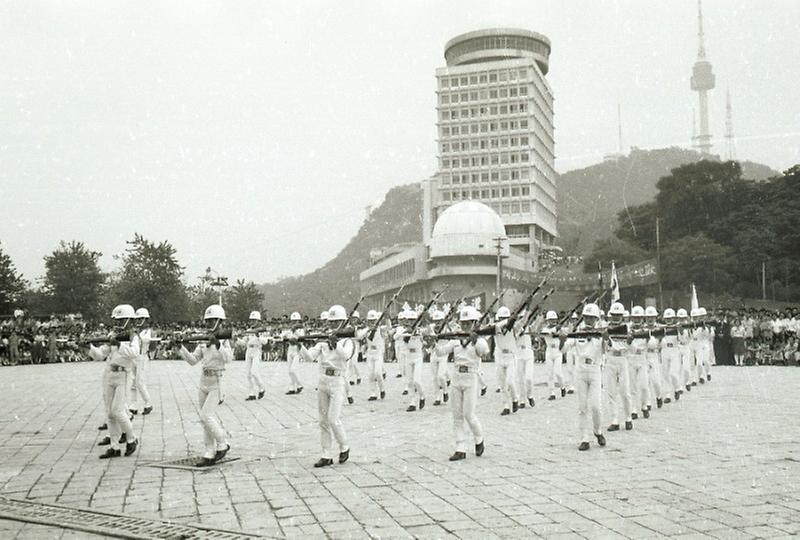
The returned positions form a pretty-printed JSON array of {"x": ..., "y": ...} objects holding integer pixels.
[
  {"x": 763, "y": 280},
  {"x": 658, "y": 265},
  {"x": 498, "y": 244}
]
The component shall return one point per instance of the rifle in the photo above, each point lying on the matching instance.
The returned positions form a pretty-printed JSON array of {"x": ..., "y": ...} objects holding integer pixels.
[
  {"x": 450, "y": 314},
  {"x": 427, "y": 307},
  {"x": 491, "y": 306},
  {"x": 574, "y": 309},
  {"x": 535, "y": 310},
  {"x": 355, "y": 307},
  {"x": 525, "y": 303},
  {"x": 102, "y": 340},
  {"x": 338, "y": 334},
  {"x": 198, "y": 338},
  {"x": 375, "y": 326},
  {"x": 597, "y": 299}
]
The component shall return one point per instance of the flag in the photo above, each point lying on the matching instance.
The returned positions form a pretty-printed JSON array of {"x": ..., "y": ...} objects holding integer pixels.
[
  {"x": 695, "y": 303},
  {"x": 614, "y": 284}
]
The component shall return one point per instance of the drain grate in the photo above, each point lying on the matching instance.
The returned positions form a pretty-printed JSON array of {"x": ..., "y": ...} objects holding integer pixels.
[
  {"x": 189, "y": 463},
  {"x": 115, "y": 525}
]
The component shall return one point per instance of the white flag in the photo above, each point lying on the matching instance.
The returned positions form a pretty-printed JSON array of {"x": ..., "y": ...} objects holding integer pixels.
[
  {"x": 695, "y": 303},
  {"x": 614, "y": 284}
]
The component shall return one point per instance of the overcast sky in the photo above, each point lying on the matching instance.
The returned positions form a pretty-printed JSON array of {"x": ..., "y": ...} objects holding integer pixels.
[{"x": 252, "y": 134}]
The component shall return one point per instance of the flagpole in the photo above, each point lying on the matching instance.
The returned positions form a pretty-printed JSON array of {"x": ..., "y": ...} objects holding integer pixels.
[{"x": 658, "y": 266}]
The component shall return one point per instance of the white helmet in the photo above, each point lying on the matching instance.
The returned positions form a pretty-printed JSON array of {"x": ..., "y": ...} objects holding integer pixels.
[
  {"x": 214, "y": 311},
  {"x": 681, "y": 314},
  {"x": 503, "y": 313},
  {"x": 669, "y": 313},
  {"x": 437, "y": 315},
  {"x": 469, "y": 313},
  {"x": 355, "y": 315},
  {"x": 637, "y": 311},
  {"x": 373, "y": 315},
  {"x": 337, "y": 313},
  {"x": 323, "y": 316},
  {"x": 18, "y": 313},
  {"x": 602, "y": 313},
  {"x": 626, "y": 314},
  {"x": 295, "y": 316},
  {"x": 551, "y": 316},
  {"x": 591, "y": 310},
  {"x": 123, "y": 311},
  {"x": 142, "y": 313},
  {"x": 616, "y": 309},
  {"x": 408, "y": 315},
  {"x": 696, "y": 312},
  {"x": 255, "y": 316},
  {"x": 574, "y": 315},
  {"x": 651, "y": 311},
  {"x": 703, "y": 311}
]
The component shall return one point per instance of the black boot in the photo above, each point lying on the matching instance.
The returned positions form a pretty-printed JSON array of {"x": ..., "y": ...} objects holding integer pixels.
[
  {"x": 250, "y": 398},
  {"x": 344, "y": 456},
  {"x": 514, "y": 406},
  {"x": 479, "y": 448},
  {"x": 645, "y": 413},
  {"x": 110, "y": 453},
  {"x": 483, "y": 391},
  {"x": 123, "y": 438},
  {"x": 445, "y": 397},
  {"x": 105, "y": 441},
  {"x": 323, "y": 462},
  {"x": 206, "y": 462},
  {"x": 601, "y": 440},
  {"x": 411, "y": 408},
  {"x": 291, "y": 392},
  {"x": 505, "y": 412},
  {"x": 551, "y": 398},
  {"x": 677, "y": 396},
  {"x": 421, "y": 403},
  {"x": 613, "y": 427},
  {"x": 147, "y": 410},
  {"x": 458, "y": 456},
  {"x": 383, "y": 394},
  {"x": 659, "y": 402},
  {"x": 436, "y": 403},
  {"x": 221, "y": 453},
  {"x": 350, "y": 400},
  {"x": 261, "y": 393},
  {"x": 563, "y": 391},
  {"x": 299, "y": 389},
  {"x": 635, "y": 416},
  {"x": 102, "y": 427},
  {"x": 130, "y": 447},
  {"x": 531, "y": 402},
  {"x": 372, "y": 398},
  {"x": 583, "y": 446},
  {"x": 628, "y": 425},
  {"x": 521, "y": 404},
  {"x": 405, "y": 393}
]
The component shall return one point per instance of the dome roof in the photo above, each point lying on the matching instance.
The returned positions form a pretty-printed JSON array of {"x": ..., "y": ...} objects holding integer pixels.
[{"x": 466, "y": 228}]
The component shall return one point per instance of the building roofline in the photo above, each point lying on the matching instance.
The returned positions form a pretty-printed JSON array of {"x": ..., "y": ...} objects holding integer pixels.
[{"x": 486, "y": 32}]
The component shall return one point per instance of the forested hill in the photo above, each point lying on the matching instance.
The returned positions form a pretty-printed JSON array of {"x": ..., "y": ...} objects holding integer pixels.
[
  {"x": 397, "y": 219},
  {"x": 590, "y": 198}
]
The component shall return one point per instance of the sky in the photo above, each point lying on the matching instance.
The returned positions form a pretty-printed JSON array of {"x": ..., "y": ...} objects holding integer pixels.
[{"x": 252, "y": 135}]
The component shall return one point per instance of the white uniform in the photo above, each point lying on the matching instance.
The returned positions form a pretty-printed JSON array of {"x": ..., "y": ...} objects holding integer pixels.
[
  {"x": 119, "y": 360},
  {"x": 699, "y": 347},
  {"x": 617, "y": 378},
  {"x": 293, "y": 356},
  {"x": 552, "y": 358},
  {"x": 639, "y": 369},
  {"x": 376, "y": 349},
  {"x": 331, "y": 395},
  {"x": 505, "y": 356},
  {"x": 589, "y": 357},
  {"x": 524, "y": 368},
  {"x": 410, "y": 348},
  {"x": 652, "y": 353},
  {"x": 464, "y": 387},
  {"x": 139, "y": 382},
  {"x": 252, "y": 358},
  {"x": 671, "y": 360},
  {"x": 439, "y": 372},
  {"x": 687, "y": 357},
  {"x": 210, "y": 394}
]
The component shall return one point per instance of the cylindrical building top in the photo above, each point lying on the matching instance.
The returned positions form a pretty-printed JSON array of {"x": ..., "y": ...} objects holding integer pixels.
[{"x": 498, "y": 44}]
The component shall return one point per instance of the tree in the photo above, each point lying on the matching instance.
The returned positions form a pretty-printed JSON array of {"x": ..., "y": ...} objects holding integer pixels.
[
  {"x": 12, "y": 284},
  {"x": 612, "y": 249},
  {"x": 699, "y": 260},
  {"x": 243, "y": 298},
  {"x": 73, "y": 280},
  {"x": 151, "y": 277}
]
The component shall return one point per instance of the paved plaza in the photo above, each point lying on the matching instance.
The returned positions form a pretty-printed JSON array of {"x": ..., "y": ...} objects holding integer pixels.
[{"x": 723, "y": 462}]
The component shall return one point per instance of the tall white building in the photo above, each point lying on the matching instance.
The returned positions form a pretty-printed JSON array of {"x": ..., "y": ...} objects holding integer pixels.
[{"x": 495, "y": 134}]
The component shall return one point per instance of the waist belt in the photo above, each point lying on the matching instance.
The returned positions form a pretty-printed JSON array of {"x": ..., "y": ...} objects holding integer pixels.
[
  {"x": 588, "y": 361},
  {"x": 616, "y": 353},
  {"x": 373, "y": 347},
  {"x": 506, "y": 351},
  {"x": 330, "y": 372},
  {"x": 669, "y": 344},
  {"x": 114, "y": 367},
  {"x": 465, "y": 369},
  {"x": 212, "y": 372},
  {"x": 412, "y": 350}
]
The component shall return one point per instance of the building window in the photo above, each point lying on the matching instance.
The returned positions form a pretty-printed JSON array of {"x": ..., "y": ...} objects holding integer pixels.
[
  {"x": 465, "y": 194},
  {"x": 513, "y": 158},
  {"x": 492, "y": 77},
  {"x": 484, "y": 142},
  {"x": 526, "y": 207},
  {"x": 503, "y": 76},
  {"x": 523, "y": 90},
  {"x": 454, "y": 99},
  {"x": 444, "y": 99},
  {"x": 512, "y": 92},
  {"x": 495, "y": 159},
  {"x": 473, "y": 128},
  {"x": 523, "y": 73},
  {"x": 503, "y": 92},
  {"x": 484, "y": 176},
  {"x": 474, "y": 177},
  {"x": 473, "y": 79},
  {"x": 473, "y": 144},
  {"x": 444, "y": 83},
  {"x": 514, "y": 208},
  {"x": 523, "y": 106},
  {"x": 524, "y": 157},
  {"x": 493, "y": 110},
  {"x": 484, "y": 194},
  {"x": 525, "y": 173},
  {"x": 465, "y": 162},
  {"x": 463, "y": 81},
  {"x": 515, "y": 174},
  {"x": 503, "y": 109},
  {"x": 494, "y": 193},
  {"x": 445, "y": 163},
  {"x": 504, "y": 176},
  {"x": 492, "y": 126},
  {"x": 523, "y": 141},
  {"x": 445, "y": 195},
  {"x": 526, "y": 190},
  {"x": 504, "y": 126},
  {"x": 495, "y": 176},
  {"x": 445, "y": 147},
  {"x": 515, "y": 192},
  {"x": 504, "y": 158},
  {"x": 523, "y": 124},
  {"x": 473, "y": 96},
  {"x": 483, "y": 78},
  {"x": 504, "y": 208},
  {"x": 454, "y": 114},
  {"x": 495, "y": 142},
  {"x": 513, "y": 141},
  {"x": 492, "y": 94},
  {"x": 484, "y": 161}
]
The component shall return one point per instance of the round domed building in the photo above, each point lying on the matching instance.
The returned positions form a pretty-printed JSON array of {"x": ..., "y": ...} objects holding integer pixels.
[{"x": 467, "y": 246}]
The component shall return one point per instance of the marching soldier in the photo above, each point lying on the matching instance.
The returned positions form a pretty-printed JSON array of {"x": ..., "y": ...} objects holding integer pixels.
[
  {"x": 291, "y": 336},
  {"x": 409, "y": 347},
  {"x": 524, "y": 368},
  {"x": 352, "y": 363},
  {"x": 670, "y": 355},
  {"x": 589, "y": 353},
  {"x": 213, "y": 354},
  {"x": 438, "y": 363},
  {"x": 637, "y": 363},
  {"x": 332, "y": 356},
  {"x": 254, "y": 342},
  {"x": 617, "y": 379},
  {"x": 505, "y": 352},
  {"x": 375, "y": 340},
  {"x": 120, "y": 355},
  {"x": 652, "y": 353},
  {"x": 467, "y": 353},
  {"x": 685, "y": 349},
  {"x": 139, "y": 386},
  {"x": 552, "y": 355}
]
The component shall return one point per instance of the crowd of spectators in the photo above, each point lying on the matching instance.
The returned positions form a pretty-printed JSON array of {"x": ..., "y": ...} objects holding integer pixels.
[{"x": 763, "y": 336}]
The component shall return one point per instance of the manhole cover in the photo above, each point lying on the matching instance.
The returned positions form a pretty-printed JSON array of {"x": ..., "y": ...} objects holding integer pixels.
[
  {"x": 107, "y": 523},
  {"x": 190, "y": 463}
]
